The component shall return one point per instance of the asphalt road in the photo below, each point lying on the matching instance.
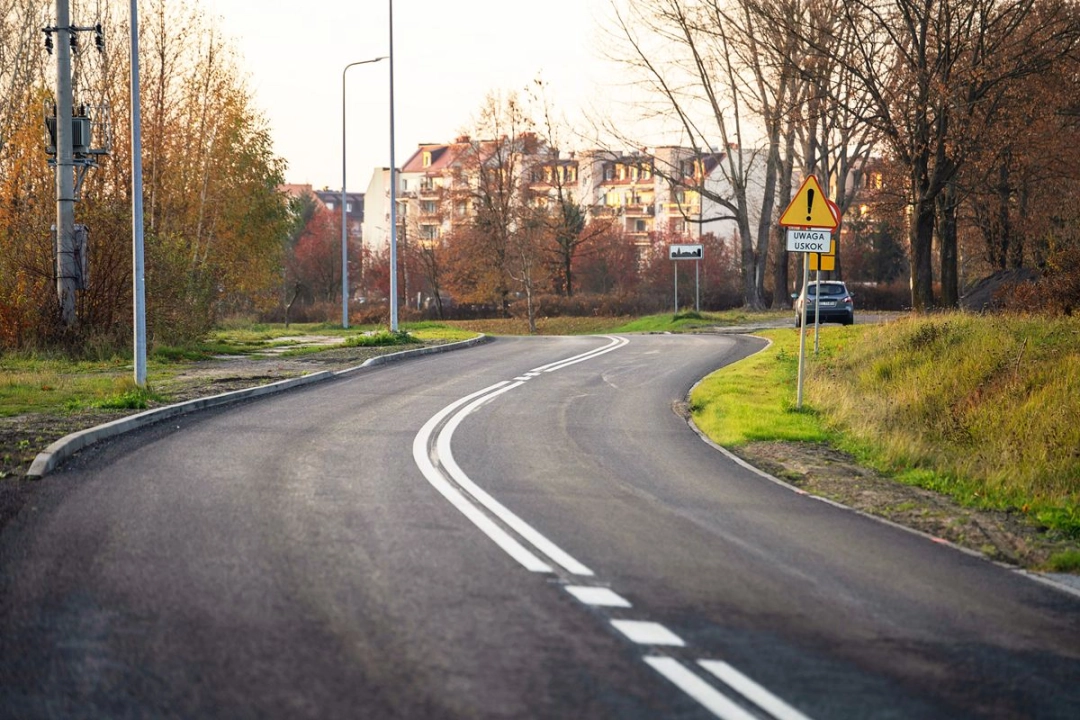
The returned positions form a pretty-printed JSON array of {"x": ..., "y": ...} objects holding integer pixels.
[{"x": 493, "y": 533}]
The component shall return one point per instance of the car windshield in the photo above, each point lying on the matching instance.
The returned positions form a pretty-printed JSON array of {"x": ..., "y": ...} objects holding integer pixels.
[{"x": 828, "y": 290}]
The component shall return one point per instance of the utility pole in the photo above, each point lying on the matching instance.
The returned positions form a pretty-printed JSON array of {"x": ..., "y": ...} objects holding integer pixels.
[{"x": 65, "y": 169}]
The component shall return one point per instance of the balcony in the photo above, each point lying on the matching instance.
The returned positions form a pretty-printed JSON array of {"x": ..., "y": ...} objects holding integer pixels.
[
  {"x": 681, "y": 209},
  {"x": 640, "y": 210}
]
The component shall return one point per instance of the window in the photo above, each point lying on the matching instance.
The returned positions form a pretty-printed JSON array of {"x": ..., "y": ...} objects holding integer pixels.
[
  {"x": 641, "y": 226},
  {"x": 609, "y": 172},
  {"x": 330, "y": 206},
  {"x": 429, "y": 207},
  {"x": 571, "y": 174},
  {"x": 427, "y": 158},
  {"x": 348, "y": 207}
]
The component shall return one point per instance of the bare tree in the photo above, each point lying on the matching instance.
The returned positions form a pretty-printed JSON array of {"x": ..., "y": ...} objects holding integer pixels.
[{"x": 934, "y": 74}]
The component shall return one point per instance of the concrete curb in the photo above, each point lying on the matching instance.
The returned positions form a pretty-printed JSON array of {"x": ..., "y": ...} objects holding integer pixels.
[{"x": 56, "y": 453}]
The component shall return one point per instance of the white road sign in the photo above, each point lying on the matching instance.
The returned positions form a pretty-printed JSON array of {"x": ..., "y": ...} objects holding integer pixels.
[
  {"x": 686, "y": 252},
  {"x": 815, "y": 241}
]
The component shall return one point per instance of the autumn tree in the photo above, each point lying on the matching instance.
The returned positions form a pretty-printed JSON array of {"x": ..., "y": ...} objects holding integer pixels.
[
  {"x": 936, "y": 73},
  {"x": 493, "y": 172},
  {"x": 215, "y": 219}
]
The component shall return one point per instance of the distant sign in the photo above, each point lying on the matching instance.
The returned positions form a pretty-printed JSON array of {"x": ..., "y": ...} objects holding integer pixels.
[
  {"x": 815, "y": 241},
  {"x": 686, "y": 252}
]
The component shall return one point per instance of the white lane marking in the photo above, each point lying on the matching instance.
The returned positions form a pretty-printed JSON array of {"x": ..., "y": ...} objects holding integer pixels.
[
  {"x": 599, "y": 596},
  {"x": 522, "y": 528},
  {"x": 500, "y": 537},
  {"x": 616, "y": 342},
  {"x": 752, "y": 691},
  {"x": 644, "y": 632},
  {"x": 712, "y": 699}
]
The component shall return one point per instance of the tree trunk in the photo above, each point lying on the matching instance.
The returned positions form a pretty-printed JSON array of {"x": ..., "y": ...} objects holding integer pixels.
[
  {"x": 947, "y": 246},
  {"x": 922, "y": 269}
]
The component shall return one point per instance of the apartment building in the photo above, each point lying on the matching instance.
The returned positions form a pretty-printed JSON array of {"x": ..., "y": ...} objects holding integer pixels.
[
  {"x": 330, "y": 201},
  {"x": 642, "y": 192}
]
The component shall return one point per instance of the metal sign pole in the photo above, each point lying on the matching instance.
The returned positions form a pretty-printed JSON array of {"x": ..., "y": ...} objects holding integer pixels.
[
  {"x": 817, "y": 306},
  {"x": 676, "y": 266},
  {"x": 802, "y": 330},
  {"x": 697, "y": 286}
]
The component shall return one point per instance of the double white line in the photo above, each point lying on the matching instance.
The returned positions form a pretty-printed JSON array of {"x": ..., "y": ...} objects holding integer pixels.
[
  {"x": 434, "y": 456},
  {"x": 430, "y": 455}
]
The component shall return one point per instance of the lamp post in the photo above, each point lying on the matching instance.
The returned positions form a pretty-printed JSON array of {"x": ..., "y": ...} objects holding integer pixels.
[
  {"x": 393, "y": 190},
  {"x": 344, "y": 202},
  {"x": 137, "y": 254}
]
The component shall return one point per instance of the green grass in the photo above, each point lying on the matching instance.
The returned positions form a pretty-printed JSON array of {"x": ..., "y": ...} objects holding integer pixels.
[
  {"x": 984, "y": 409},
  {"x": 1066, "y": 561},
  {"x": 33, "y": 383},
  {"x": 44, "y": 383},
  {"x": 754, "y": 399},
  {"x": 688, "y": 320},
  {"x": 382, "y": 338}
]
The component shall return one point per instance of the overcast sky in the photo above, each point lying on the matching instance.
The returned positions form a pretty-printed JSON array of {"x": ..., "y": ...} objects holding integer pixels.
[{"x": 448, "y": 55}]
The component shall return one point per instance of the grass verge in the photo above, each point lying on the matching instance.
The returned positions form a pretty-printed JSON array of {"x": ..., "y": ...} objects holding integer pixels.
[{"x": 982, "y": 409}]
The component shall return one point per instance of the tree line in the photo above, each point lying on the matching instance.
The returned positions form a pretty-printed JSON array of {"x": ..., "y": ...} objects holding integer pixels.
[
  {"x": 967, "y": 108},
  {"x": 214, "y": 219},
  {"x": 946, "y": 131}
]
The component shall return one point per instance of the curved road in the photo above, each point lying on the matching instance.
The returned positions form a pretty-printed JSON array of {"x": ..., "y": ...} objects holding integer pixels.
[{"x": 520, "y": 530}]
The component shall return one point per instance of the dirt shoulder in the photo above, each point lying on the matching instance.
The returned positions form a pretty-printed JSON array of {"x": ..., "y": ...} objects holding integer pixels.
[{"x": 818, "y": 469}]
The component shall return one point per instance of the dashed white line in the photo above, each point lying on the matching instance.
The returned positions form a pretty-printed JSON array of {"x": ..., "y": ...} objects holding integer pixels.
[
  {"x": 752, "y": 691},
  {"x": 714, "y": 701},
  {"x": 644, "y": 632},
  {"x": 638, "y": 631},
  {"x": 598, "y": 596}
]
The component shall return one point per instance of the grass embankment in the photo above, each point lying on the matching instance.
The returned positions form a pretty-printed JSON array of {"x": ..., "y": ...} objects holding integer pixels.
[
  {"x": 983, "y": 409},
  {"x": 50, "y": 383}
]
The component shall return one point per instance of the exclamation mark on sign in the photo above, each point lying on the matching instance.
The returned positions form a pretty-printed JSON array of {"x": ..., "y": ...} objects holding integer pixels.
[{"x": 809, "y": 204}]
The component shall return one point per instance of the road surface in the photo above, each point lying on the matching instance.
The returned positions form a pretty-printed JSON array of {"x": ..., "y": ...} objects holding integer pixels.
[{"x": 526, "y": 529}]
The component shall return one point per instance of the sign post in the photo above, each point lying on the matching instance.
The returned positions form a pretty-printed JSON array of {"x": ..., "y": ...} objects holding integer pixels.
[
  {"x": 687, "y": 252},
  {"x": 810, "y": 220}
]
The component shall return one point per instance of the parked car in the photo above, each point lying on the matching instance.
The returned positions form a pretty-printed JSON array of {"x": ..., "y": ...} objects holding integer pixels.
[{"x": 835, "y": 303}]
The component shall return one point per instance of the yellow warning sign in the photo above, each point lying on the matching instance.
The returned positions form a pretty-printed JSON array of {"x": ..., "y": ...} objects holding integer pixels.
[{"x": 810, "y": 208}]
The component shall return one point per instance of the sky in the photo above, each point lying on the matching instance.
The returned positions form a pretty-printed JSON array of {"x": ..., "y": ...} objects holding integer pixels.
[{"x": 448, "y": 56}]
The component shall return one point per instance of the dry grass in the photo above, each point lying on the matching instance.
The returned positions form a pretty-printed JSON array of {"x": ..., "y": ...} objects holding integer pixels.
[{"x": 986, "y": 409}]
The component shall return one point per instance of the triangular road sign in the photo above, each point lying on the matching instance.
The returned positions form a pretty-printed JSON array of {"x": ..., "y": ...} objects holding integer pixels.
[{"x": 810, "y": 208}]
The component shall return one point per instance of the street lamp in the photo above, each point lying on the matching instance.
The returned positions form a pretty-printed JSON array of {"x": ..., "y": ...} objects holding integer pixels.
[
  {"x": 137, "y": 252},
  {"x": 344, "y": 203},
  {"x": 393, "y": 190}
]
